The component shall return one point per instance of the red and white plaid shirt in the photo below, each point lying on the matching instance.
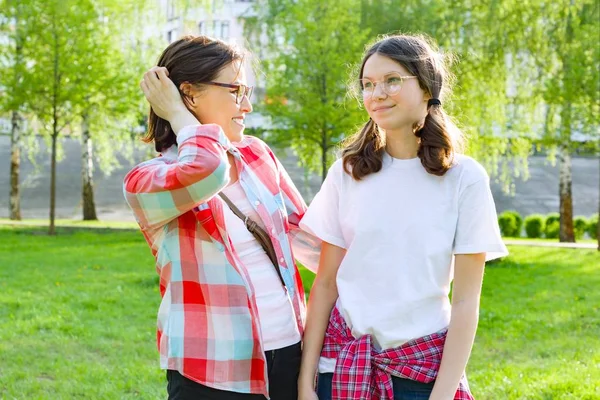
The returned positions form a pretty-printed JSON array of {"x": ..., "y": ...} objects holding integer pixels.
[
  {"x": 362, "y": 373},
  {"x": 208, "y": 326}
]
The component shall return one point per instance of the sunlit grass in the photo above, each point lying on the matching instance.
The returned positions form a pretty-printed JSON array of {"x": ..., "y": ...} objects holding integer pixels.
[{"x": 77, "y": 320}]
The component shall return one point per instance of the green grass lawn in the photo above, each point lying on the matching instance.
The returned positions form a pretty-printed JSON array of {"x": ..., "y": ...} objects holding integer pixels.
[{"x": 77, "y": 320}]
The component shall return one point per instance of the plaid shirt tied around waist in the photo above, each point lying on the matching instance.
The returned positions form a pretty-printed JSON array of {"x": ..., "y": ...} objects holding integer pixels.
[{"x": 363, "y": 373}]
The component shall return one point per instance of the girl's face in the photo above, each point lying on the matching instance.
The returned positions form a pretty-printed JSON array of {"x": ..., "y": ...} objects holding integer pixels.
[
  {"x": 217, "y": 104},
  {"x": 392, "y": 97}
]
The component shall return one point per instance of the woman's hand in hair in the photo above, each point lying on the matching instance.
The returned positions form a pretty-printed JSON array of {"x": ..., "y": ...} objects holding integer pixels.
[{"x": 164, "y": 98}]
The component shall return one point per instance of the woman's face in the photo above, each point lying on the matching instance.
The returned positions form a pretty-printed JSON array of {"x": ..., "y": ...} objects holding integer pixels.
[
  {"x": 405, "y": 106},
  {"x": 217, "y": 105}
]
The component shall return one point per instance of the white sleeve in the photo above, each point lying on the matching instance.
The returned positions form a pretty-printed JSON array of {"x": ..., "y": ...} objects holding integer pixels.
[
  {"x": 477, "y": 230},
  {"x": 322, "y": 217}
]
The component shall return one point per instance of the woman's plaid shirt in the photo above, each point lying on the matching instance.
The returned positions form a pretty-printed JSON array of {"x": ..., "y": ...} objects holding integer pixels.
[{"x": 208, "y": 327}]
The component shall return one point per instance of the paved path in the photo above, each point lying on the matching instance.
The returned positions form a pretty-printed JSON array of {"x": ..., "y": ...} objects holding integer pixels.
[{"x": 509, "y": 242}]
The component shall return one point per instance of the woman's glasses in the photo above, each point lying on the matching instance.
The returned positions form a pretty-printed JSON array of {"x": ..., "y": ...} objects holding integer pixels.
[{"x": 241, "y": 90}]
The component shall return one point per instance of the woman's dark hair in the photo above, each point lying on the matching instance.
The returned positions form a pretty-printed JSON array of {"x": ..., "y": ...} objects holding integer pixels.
[
  {"x": 440, "y": 139},
  {"x": 193, "y": 59}
]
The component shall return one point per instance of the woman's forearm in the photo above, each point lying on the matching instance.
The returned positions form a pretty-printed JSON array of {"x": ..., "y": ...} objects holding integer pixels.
[
  {"x": 457, "y": 349},
  {"x": 181, "y": 119}
]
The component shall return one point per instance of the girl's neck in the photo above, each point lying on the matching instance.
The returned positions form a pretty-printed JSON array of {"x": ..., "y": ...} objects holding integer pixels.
[{"x": 401, "y": 143}]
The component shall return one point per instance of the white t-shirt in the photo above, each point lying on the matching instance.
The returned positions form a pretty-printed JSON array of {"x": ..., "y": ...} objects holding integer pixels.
[
  {"x": 401, "y": 227},
  {"x": 275, "y": 311}
]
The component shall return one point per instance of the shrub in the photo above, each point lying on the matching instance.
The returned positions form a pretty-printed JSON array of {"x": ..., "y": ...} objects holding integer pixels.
[
  {"x": 550, "y": 218},
  {"x": 592, "y": 227},
  {"x": 552, "y": 231},
  {"x": 552, "y": 226},
  {"x": 580, "y": 225},
  {"x": 518, "y": 221},
  {"x": 508, "y": 224},
  {"x": 534, "y": 226}
]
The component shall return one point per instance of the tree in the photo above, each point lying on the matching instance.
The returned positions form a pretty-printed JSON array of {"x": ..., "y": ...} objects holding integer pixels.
[
  {"x": 567, "y": 55},
  {"x": 63, "y": 32},
  {"x": 83, "y": 63},
  {"x": 112, "y": 103},
  {"x": 15, "y": 20},
  {"x": 307, "y": 68}
]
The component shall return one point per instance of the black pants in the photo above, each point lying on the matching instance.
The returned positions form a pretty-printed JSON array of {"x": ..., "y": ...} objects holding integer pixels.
[{"x": 283, "y": 366}]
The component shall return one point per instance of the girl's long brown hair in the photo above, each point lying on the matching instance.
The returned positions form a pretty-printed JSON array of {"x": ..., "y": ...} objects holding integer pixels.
[{"x": 439, "y": 138}]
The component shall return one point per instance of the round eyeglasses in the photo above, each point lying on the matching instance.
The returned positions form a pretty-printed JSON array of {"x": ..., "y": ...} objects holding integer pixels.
[{"x": 391, "y": 84}]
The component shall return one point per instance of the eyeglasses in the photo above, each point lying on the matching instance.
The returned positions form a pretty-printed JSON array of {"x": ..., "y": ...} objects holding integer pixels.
[
  {"x": 241, "y": 90},
  {"x": 392, "y": 83}
]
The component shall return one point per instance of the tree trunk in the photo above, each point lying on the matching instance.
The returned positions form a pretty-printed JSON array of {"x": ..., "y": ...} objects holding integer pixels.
[
  {"x": 87, "y": 171},
  {"x": 566, "y": 233},
  {"x": 56, "y": 88},
  {"x": 598, "y": 224},
  {"x": 16, "y": 125},
  {"x": 52, "y": 230},
  {"x": 15, "y": 165},
  {"x": 566, "y": 196}
]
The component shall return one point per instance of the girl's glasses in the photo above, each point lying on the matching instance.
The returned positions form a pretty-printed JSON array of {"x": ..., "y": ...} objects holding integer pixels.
[{"x": 391, "y": 84}]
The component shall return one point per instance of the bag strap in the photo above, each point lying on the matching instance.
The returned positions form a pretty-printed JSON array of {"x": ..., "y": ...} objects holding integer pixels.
[{"x": 261, "y": 236}]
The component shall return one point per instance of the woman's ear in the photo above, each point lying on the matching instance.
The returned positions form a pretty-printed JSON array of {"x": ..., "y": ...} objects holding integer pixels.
[
  {"x": 188, "y": 92},
  {"x": 186, "y": 88}
]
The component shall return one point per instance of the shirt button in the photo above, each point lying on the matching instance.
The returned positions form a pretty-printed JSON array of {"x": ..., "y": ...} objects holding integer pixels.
[
  {"x": 282, "y": 260},
  {"x": 273, "y": 231},
  {"x": 257, "y": 203}
]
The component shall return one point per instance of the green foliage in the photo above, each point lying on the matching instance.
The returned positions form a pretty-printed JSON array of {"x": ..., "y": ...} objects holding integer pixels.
[
  {"x": 68, "y": 58},
  {"x": 508, "y": 224},
  {"x": 592, "y": 228},
  {"x": 580, "y": 225},
  {"x": 518, "y": 221},
  {"x": 552, "y": 217},
  {"x": 552, "y": 228},
  {"x": 535, "y": 225},
  {"x": 307, "y": 67}
]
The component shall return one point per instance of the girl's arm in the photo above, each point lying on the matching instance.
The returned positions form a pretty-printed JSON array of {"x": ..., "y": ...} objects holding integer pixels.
[
  {"x": 466, "y": 291},
  {"x": 322, "y": 299}
]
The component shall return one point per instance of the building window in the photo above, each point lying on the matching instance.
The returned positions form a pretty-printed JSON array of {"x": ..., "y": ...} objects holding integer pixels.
[
  {"x": 225, "y": 30},
  {"x": 171, "y": 35}
]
